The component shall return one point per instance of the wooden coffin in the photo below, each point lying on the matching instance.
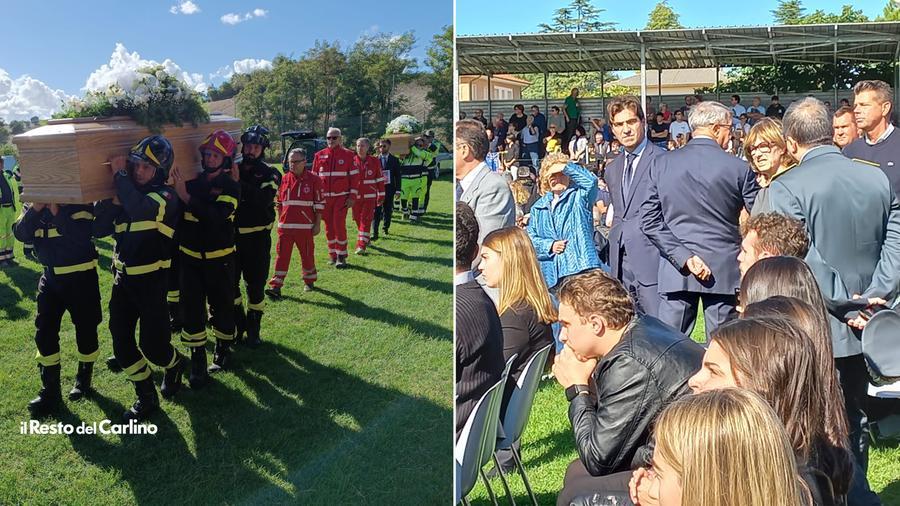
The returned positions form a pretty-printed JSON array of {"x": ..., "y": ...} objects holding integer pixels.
[
  {"x": 400, "y": 144},
  {"x": 63, "y": 161}
]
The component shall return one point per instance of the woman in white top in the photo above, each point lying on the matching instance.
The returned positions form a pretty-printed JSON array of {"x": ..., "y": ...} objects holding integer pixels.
[{"x": 578, "y": 147}]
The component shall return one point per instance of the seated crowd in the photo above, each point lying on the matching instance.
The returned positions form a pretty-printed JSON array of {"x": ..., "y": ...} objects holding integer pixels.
[{"x": 790, "y": 249}]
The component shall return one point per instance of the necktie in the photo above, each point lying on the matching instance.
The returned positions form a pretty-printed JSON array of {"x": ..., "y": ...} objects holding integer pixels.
[
  {"x": 459, "y": 190},
  {"x": 383, "y": 162},
  {"x": 629, "y": 174}
]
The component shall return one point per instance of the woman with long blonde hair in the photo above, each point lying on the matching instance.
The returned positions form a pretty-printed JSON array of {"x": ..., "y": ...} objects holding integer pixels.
[
  {"x": 766, "y": 150},
  {"x": 509, "y": 263},
  {"x": 724, "y": 447}
]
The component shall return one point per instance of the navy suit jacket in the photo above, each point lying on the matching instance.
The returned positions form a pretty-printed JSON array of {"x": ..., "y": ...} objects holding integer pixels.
[
  {"x": 697, "y": 192},
  {"x": 643, "y": 257}
]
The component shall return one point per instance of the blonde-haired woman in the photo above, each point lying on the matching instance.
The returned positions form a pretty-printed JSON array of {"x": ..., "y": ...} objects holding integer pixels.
[
  {"x": 766, "y": 151},
  {"x": 508, "y": 263},
  {"x": 724, "y": 447}
]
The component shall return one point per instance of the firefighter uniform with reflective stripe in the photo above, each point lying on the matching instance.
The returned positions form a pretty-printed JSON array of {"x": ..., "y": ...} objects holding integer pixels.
[
  {"x": 69, "y": 279},
  {"x": 334, "y": 166},
  {"x": 413, "y": 176},
  {"x": 300, "y": 199},
  {"x": 143, "y": 226},
  {"x": 9, "y": 196},
  {"x": 370, "y": 194},
  {"x": 206, "y": 246},
  {"x": 253, "y": 219}
]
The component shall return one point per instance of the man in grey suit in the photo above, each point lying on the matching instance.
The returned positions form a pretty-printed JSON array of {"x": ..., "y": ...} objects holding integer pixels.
[
  {"x": 853, "y": 220},
  {"x": 691, "y": 214},
  {"x": 486, "y": 192},
  {"x": 633, "y": 258}
]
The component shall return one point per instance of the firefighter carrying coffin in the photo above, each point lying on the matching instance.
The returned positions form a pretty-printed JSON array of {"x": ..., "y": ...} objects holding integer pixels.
[{"x": 64, "y": 161}]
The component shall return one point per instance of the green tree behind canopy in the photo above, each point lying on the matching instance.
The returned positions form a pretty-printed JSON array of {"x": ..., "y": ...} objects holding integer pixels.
[
  {"x": 799, "y": 77},
  {"x": 663, "y": 17},
  {"x": 578, "y": 16}
]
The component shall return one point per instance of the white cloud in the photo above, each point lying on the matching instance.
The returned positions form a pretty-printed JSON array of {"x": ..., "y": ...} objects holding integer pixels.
[
  {"x": 245, "y": 66},
  {"x": 122, "y": 69},
  {"x": 187, "y": 7},
  {"x": 232, "y": 18},
  {"x": 24, "y": 97}
]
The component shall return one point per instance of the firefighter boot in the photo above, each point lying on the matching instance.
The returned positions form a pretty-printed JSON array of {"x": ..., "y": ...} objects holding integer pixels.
[
  {"x": 199, "y": 377},
  {"x": 147, "y": 401},
  {"x": 241, "y": 323},
  {"x": 171, "y": 382},
  {"x": 82, "y": 386},
  {"x": 254, "y": 319},
  {"x": 50, "y": 397},
  {"x": 221, "y": 357}
]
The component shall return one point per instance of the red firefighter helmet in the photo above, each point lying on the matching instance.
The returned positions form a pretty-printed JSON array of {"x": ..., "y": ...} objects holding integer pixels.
[{"x": 220, "y": 142}]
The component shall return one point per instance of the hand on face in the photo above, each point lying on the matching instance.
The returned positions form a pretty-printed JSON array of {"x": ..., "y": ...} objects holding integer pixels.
[{"x": 570, "y": 369}]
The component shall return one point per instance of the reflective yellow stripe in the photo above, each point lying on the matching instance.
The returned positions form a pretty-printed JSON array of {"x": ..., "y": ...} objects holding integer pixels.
[
  {"x": 82, "y": 215},
  {"x": 138, "y": 371},
  {"x": 227, "y": 198},
  {"x": 256, "y": 307},
  {"x": 51, "y": 233},
  {"x": 188, "y": 216},
  {"x": 68, "y": 269},
  {"x": 47, "y": 361},
  {"x": 90, "y": 357},
  {"x": 140, "y": 226},
  {"x": 238, "y": 300},
  {"x": 207, "y": 256},
  {"x": 173, "y": 296},
  {"x": 269, "y": 184},
  {"x": 161, "y": 212},
  {"x": 222, "y": 336},
  {"x": 250, "y": 230},
  {"x": 172, "y": 362},
  {"x": 142, "y": 269},
  {"x": 165, "y": 230},
  {"x": 193, "y": 340}
]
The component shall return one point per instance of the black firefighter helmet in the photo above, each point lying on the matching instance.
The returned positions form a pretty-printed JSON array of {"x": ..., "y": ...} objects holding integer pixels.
[{"x": 157, "y": 151}]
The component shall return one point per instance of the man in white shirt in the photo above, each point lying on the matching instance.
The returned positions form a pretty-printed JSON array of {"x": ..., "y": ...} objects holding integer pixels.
[
  {"x": 680, "y": 126},
  {"x": 736, "y": 110}
]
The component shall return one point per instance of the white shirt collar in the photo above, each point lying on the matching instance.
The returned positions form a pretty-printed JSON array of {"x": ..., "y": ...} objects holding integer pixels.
[
  {"x": 887, "y": 132},
  {"x": 462, "y": 278},
  {"x": 466, "y": 181}
]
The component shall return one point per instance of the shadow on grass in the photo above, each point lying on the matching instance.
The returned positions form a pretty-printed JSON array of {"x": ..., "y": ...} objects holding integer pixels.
[
  {"x": 24, "y": 283},
  {"x": 351, "y": 306},
  {"x": 444, "y": 262},
  {"x": 295, "y": 431},
  {"x": 443, "y": 287},
  {"x": 408, "y": 238},
  {"x": 558, "y": 444}
]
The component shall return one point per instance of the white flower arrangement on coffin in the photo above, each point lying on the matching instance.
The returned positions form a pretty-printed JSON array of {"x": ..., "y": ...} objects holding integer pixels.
[
  {"x": 150, "y": 96},
  {"x": 403, "y": 124}
]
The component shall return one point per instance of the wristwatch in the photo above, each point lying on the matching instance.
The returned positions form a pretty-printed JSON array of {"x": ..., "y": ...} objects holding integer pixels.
[{"x": 576, "y": 390}]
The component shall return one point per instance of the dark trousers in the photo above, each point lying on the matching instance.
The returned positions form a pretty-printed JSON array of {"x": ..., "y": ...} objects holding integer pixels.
[
  {"x": 140, "y": 299},
  {"x": 252, "y": 263},
  {"x": 854, "y": 379},
  {"x": 579, "y": 487},
  {"x": 646, "y": 297},
  {"x": 207, "y": 282},
  {"x": 173, "y": 295},
  {"x": 430, "y": 179},
  {"x": 79, "y": 294},
  {"x": 679, "y": 309},
  {"x": 386, "y": 210}
]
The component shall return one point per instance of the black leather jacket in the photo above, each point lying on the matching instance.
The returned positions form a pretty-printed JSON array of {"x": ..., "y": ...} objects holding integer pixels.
[{"x": 648, "y": 369}]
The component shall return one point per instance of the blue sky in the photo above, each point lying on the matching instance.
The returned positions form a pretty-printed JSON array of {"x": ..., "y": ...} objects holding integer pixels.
[
  {"x": 60, "y": 43},
  {"x": 479, "y": 17}
]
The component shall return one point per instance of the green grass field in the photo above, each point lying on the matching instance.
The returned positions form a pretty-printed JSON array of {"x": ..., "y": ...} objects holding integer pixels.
[
  {"x": 548, "y": 447},
  {"x": 347, "y": 401}
]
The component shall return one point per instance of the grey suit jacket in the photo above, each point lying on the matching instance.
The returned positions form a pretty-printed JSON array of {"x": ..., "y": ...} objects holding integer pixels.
[
  {"x": 491, "y": 199},
  {"x": 853, "y": 220},
  {"x": 626, "y": 233},
  {"x": 697, "y": 192}
]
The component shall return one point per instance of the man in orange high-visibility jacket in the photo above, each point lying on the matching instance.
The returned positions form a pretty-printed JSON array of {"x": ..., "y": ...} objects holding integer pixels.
[
  {"x": 370, "y": 193},
  {"x": 334, "y": 166},
  {"x": 300, "y": 204}
]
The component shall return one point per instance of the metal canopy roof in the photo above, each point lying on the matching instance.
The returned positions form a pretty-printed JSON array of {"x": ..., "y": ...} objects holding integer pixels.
[{"x": 678, "y": 49}]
